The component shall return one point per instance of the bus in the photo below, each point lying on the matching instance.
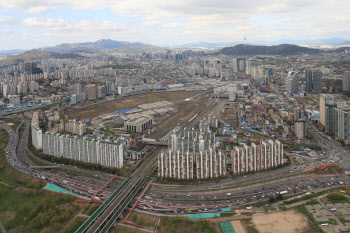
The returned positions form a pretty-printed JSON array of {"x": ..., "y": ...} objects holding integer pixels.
[
  {"x": 342, "y": 191},
  {"x": 324, "y": 224}
]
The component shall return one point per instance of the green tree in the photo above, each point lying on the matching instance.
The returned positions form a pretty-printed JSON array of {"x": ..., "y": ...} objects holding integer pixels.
[{"x": 272, "y": 199}]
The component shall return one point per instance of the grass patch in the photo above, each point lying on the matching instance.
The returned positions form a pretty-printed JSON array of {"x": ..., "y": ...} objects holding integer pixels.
[
  {"x": 247, "y": 213},
  {"x": 91, "y": 208},
  {"x": 180, "y": 225},
  {"x": 36, "y": 161},
  {"x": 77, "y": 173},
  {"x": 227, "y": 214},
  {"x": 73, "y": 226},
  {"x": 249, "y": 225},
  {"x": 32, "y": 211}
]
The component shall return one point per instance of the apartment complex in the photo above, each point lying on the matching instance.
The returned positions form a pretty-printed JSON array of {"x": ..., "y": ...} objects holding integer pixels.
[
  {"x": 86, "y": 150},
  {"x": 266, "y": 155},
  {"x": 75, "y": 127},
  {"x": 191, "y": 155},
  {"x": 336, "y": 117}
]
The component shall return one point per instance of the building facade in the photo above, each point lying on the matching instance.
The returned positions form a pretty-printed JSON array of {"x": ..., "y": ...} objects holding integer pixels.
[
  {"x": 191, "y": 155},
  {"x": 300, "y": 129},
  {"x": 313, "y": 80},
  {"x": 253, "y": 158},
  {"x": 104, "y": 153}
]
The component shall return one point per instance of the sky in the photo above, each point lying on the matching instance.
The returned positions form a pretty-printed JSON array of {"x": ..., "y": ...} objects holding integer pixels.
[{"x": 26, "y": 24}]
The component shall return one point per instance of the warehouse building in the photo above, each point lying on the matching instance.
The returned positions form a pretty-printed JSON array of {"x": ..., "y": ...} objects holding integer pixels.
[{"x": 138, "y": 124}]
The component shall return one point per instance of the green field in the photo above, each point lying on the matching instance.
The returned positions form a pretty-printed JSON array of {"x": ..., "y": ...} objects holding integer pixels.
[{"x": 24, "y": 206}]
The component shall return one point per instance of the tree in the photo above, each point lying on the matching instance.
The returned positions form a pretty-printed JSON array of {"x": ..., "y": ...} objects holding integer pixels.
[
  {"x": 279, "y": 197},
  {"x": 272, "y": 199}
]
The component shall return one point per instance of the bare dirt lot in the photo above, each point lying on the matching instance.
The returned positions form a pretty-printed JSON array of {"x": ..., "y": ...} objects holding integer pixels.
[
  {"x": 286, "y": 222},
  {"x": 128, "y": 102}
]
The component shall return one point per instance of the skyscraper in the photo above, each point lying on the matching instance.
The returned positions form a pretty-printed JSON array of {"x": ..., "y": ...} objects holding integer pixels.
[
  {"x": 234, "y": 65},
  {"x": 291, "y": 82},
  {"x": 346, "y": 83},
  {"x": 313, "y": 80}
]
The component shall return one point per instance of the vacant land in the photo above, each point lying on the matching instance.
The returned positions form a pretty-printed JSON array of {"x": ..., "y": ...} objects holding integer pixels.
[
  {"x": 287, "y": 222},
  {"x": 126, "y": 103},
  {"x": 180, "y": 225}
]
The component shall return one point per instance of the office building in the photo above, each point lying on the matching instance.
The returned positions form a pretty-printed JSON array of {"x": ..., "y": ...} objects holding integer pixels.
[
  {"x": 300, "y": 129},
  {"x": 292, "y": 83},
  {"x": 256, "y": 157},
  {"x": 104, "y": 153},
  {"x": 346, "y": 83},
  {"x": 313, "y": 80}
]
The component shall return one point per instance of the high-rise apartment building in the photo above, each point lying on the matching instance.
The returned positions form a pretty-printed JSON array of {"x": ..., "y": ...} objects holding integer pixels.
[
  {"x": 104, "y": 153},
  {"x": 256, "y": 157},
  {"x": 300, "y": 129},
  {"x": 90, "y": 91},
  {"x": 75, "y": 127},
  {"x": 346, "y": 83},
  {"x": 323, "y": 99},
  {"x": 191, "y": 154}
]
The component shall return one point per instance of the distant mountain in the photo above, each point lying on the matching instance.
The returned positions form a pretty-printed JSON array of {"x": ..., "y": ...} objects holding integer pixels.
[
  {"x": 206, "y": 45},
  {"x": 36, "y": 54},
  {"x": 12, "y": 51},
  {"x": 283, "y": 49},
  {"x": 100, "y": 45},
  {"x": 346, "y": 42}
]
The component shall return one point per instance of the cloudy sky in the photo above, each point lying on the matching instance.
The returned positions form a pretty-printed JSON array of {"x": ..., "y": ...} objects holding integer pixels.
[{"x": 29, "y": 24}]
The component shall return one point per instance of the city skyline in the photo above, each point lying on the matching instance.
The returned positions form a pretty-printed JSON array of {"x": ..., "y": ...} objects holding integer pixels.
[{"x": 37, "y": 24}]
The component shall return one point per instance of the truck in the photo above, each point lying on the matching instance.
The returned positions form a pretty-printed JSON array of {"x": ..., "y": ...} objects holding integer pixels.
[
  {"x": 283, "y": 192},
  {"x": 228, "y": 194}
]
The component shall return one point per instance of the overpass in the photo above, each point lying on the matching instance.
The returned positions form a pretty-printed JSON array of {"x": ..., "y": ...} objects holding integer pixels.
[{"x": 108, "y": 213}]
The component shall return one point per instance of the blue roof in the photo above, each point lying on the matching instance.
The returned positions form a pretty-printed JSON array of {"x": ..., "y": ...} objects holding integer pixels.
[
  {"x": 244, "y": 122},
  {"x": 122, "y": 111}
]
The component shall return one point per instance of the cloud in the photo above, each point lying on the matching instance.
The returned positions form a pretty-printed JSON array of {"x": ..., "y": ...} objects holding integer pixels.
[
  {"x": 201, "y": 20},
  {"x": 80, "y": 27}
]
